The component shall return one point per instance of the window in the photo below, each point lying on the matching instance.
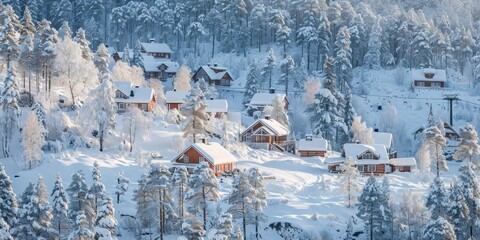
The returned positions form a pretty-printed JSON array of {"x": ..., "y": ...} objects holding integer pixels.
[
  {"x": 360, "y": 168},
  {"x": 421, "y": 84},
  {"x": 186, "y": 159},
  {"x": 121, "y": 106},
  {"x": 201, "y": 159},
  {"x": 372, "y": 168},
  {"x": 144, "y": 106},
  {"x": 217, "y": 168},
  {"x": 118, "y": 95},
  {"x": 248, "y": 137}
]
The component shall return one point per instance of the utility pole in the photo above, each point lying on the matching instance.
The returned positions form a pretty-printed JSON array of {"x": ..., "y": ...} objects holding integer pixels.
[{"x": 451, "y": 97}]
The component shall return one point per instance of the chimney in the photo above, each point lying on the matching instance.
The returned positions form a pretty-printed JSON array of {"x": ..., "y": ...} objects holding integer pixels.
[
  {"x": 204, "y": 141},
  {"x": 174, "y": 90},
  {"x": 132, "y": 94},
  {"x": 272, "y": 90},
  {"x": 152, "y": 40},
  {"x": 267, "y": 117}
]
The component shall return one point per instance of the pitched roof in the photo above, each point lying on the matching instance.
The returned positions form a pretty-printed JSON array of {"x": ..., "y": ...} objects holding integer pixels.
[
  {"x": 140, "y": 95},
  {"x": 175, "y": 96},
  {"x": 210, "y": 71},
  {"x": 315, "y": 144},
  {"x": 213, "y": 152},
  {"x": 403, "y": 161},
  {"x": 438, "y": 74},
  {"x": 272, "y": 125},
  {"x": 216, "y": 105},
  {"x": 354, "y": 150},
  {"x": 156, "y": 47},
  {"x": 262, "y": 99},
  {"x": 383, "y": 138},
  {"x": 151, "y": 64}
]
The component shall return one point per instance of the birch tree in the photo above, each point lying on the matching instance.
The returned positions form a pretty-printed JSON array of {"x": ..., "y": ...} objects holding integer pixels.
[
  {"x": 349, "y": 179},
  {"x": 32, "y": 140}
]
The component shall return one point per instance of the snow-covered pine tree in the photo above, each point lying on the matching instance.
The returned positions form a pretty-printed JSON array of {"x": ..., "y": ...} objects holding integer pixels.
[
  {"x": 371, "y": 59},
  {"x": 194, "y": 111},
  {"x": 122, "y": 185},
  {"x": 23, "y": 228},
  {"x": 241, "y": 200},
  {"x": 39, "y": 110},
  {"x": 192, "y": 228},
  {"x": 25, "y": 42},
  {"x": 279, "y": 112},
  {"x": 287, "y": 70},
  {"x": 195, "y": 31},
  {"x": 470, "y": 189},
  {"x": 106, "y": 223},
  {"x": 343, "y": 53},
  {"x": 237, "y": 235},
  {"x": 137, "y": 59},
  {"x": 224, "y": 226},
  {"x": 268, "y": 68},
  {"x": 251, "y": 86},
  {"x": 9, "y": 48},
  {"x": 81, "y": 39},
  {"x": 60, "y": 208},
  {"x": 79, "y": 203},
  {"x": 458, "y": 211},
  {"x": 437, "y": 199},
  {"x": 357, "y": 31},
  {"x": 259, "y": 201},
  {"x": 468, "y": 148},
  {"x": 142, "y": 197},
  {"x": 45, "y": 52},
  {"x": 62, "y": 11},
  {"x": 349, "y": 179},
  {"x": 349, "y": 112},
  {"x": 361, "y": 133},
  {"x": 8, "y": 199},
  {"x": 439, "y": 229},
  {"x": 324, "y": 38},
  {"x": 369, "y": 208},
  {"x": 182, "y": 79},
  {"x": 422, "y": 50},
  {"x": 9, "y": 96},
  {"x": 349, "y": 230},
  {"x": 39, "y": 212},
  {"x": 32, "y": 140},
  {"x": 97, "y": 191},
  {"x": 203, "y": 188},
  {"x": 126, "y": 55},
  {"x": 65, "y": 31},
  {"x": 179, "y": 184},
  {"x": 386, "y": 206},
  {"x": 81, "y": 229},
  {"x": 101, "y": 60},
  {"x": 435, "y": 143},
  {"x": 4, "y": 230}
]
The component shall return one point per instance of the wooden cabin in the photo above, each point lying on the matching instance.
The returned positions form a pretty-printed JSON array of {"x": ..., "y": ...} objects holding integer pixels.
[
  {"x": 156, "y": 50},
  {"x": 429, "y": 78},
  {"x": 267, "y": 134},
  {"x": 127, "y": 95},
  {"x": 159, "y": 69},
  {"x": 403, "y": 164},
  {"x": 218, "y": 158},
  {"x": 312, "y": 147},
  {"x": 260, "y": 100},
  {"x": 174, "y": 99},
  {"x": 213, "y": 74}
]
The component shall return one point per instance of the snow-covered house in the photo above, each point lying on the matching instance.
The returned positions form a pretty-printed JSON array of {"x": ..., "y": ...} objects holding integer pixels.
[
  {"x": 267, "y": 134},
  {"x": 216, "y": 107},
  {"x": 260, "y": 100},
  {"x": 213, "y": 74},
  {"x": 403, "y": 164},
  {"x": 156, "y": 50},
  {"x": 175, "y": 98},
  {"x": 218, "y": 158},
  {"x": 450, "y": 133},
  {"x": 312, "y": 147},
  {"x": 127, "y": 95},
  {"x": 386, "y": 139},
  {"x": 429, "y": 77},
  {"x": 161, "y": 69}
]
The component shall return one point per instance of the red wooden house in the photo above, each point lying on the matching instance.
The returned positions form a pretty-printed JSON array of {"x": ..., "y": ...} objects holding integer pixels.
[
  {"x": 156, "y": 50},
  {"x": 312, "y": 147},
  {"x": 429, "y": 78},
  {"x": 175, "y": 98},
  {"x": 267, "y": 134},
  {"x": 213, "y": 74},
  {"x": 218, "y": 158}
]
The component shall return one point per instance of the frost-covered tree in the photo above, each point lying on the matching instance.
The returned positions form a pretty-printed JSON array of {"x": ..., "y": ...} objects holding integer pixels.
[
  {"x": 458, "y": 211},
  {"x": 106, "y": 223},
  {"x": 101, "y": 59},
  {"x": 25, "y": 42},
  {"x": 279, "y": 113},
  {"x": 324, "y": 38},
  {"x": 193, "y": 109},
  {"x": 195, "y": 31},
  {"x": 59, "y": 207},
  {"x": 268, "y": 68},
  {"x": 65, "y": 31},
  {"x": 470, "y": 189},
  {"x": 135, "y": 125},
  {"x": 81, "y": 229},
  {"x": 287, "y": 72},
  {"x": 372, "y": 57},
  {"x": 182, "y": 79},
  {"x": 349, "y": 111},
  {"x": 192, "y": 228},
  {"x": 241, "y": 200},
  {"x": 203, "y": 188},
  {"x": 311, "y": 86},
  {"x": 4, "y": 230},
  {"x": 79, "y": 204},
  {"x": 8, "y": 199},
  {"x": 9, "y": 96},
  {"x": 84, "y": 44},
  {"x": 126, "y": 55},
  {"x": 439, "y": 229},
  {"x": 32, "y": 140},
  {"x": 369, "y": 210},
  {"x": 259, "y": 201},
  {"x": 39, "y": 212},
  {"x": 137, "y": 59},
  {"x": 361, "y": 133},
  {"x": 437, "y": 199},
  {"x": 122, "y": 72},
  {"x": 349, "y": 179},
  {"x": 343, "y": 59},
  {"x": 237, "y": 235},
  {"x": 422, "y": 50},
  {"x": 180, "y": 188},
  {"x": 9, "y": 49},
  {"x": 122, "y": 185},
  {"x": 468, "y": 148},
  {"x": 224, "y": 226},
  {"x": 74, "y": 72},
  {"x": 23, "y": 227},
  {"x": 39, "y": 110},
  {"x": 251, "y": 86},
  {"x": 97, "y": 190},
  {"x": 435, "y": 143}
]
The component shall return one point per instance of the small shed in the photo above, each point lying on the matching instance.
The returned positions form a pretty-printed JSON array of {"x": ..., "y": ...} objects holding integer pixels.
[{"x": 403, "y": 164}]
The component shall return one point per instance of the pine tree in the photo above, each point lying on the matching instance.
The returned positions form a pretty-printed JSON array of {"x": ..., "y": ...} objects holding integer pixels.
[
  {"x": 126, "y": 55},
  {"x": 349, "y": 179},
  {"x": 439, "y": 229},
  {"x": 97, "y": 191},
  {"x": 287, "y": 72},
  {"x": 468, "y": 148},
  {"x": 9, "y": 48},
  {"x": 241, "y": 200},
  {"x": 224, "y": 227},
  {"x": 278, "y": 111},
  {"x": 259, "y": 201},
  {"x": 192, "y": 228},
  {"x": 81, "y": 39},
  {"x": 39, "y": 111},
  {"x": 369, "y": 208},
  {"x": 137, "y": 59},
  {"x": 9, "y": 96},
  {"x": 195, "y": 31},
  {"x": 122, "y": 185},
  {"x": 194, "y": 111},
  {"x": 422, "y": 49},
  {"x": 386, "y": 206},
  {"x": 25, "y": 43},
  {"x": 437, "y": 199},
  {"x": 8, "y": 199},
  {"x": 101, "y": 60},
  {"x": 435, "y": 142},
  {"x": 349, "y": 112},
  {"x": 81, "y": 230},
  {"x": 470, "y": 189},
  {"x": 372, "y": 57},
  {"x": 23, "y": 228},
  {"x": 62, "y": 12},
  {"x": 268, "y": 68},
  {"x": 251, "y": 86},
  {"x": 343, "y": 65},
  {"x": 203, "y": 188},
  {"x": 458, "y": 211},
  {"x": 106, "y": 223},
  {"x": 4, "y": 230},
  {"x": 349, "y": 231},
  {"x": 33, "y": 140},
  {"x": 65, "y": 31},
  {"x": 180, "y": 188},
  {"x": 324, "y": 38},
  {"x": 237, "y": 235},
  {"x": 79, "y": 203},
  {"x": 60, "y": 207},
  {"x": 39, "y": 212}
]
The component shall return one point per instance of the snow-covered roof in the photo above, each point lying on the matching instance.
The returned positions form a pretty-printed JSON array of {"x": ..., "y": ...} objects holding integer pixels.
[
  {"x": 215, "y": 72},
  {"x": 272, "y": 125},
  {"x": 151, "y": 64},
  {"x": 383, "y": 138},
  {"x": 315, "y": 144},
  {"x": 403, "y": 162},
  {"x": 156, "y": 47},
  {"x": 438, "y": 74},
  {"x": 354, "y": 150},
  {"x": 333, "y": 160},
  {"x": 216, "y": 106},
  {"x": 213, "y": 152},
  {"x": 263, "y": 99},
  {"x": 140, "y": 95},
  {"x": 175, "y": 96}
]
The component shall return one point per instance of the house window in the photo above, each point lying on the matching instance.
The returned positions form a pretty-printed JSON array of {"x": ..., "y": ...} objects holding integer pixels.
[
  {"x": 217, "y": 168},
  {"x": 144, "y": 106},
  {"x": 248, "y": 137},
  {"x": 372, "y": 168},
  {"x": 421, "y": 84},
  {"x": 118, "y": 95},
  {"x": 186, "y": 159},
  {"x": 121, "y": 106},
  {"x": 201, "y": 159},
  {"x": 360, "y": 168}
]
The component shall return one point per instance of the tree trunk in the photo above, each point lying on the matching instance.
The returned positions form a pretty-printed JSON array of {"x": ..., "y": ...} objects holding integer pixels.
[
  {"x": 213, "y": 43},
  {"x": 101, "y": 142},
  {"x": 438, "y": 160},
  {"x": 244, "y": 222},
  {"x": 118, "y": 198},
  {"x": 204, "y": 209}
]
